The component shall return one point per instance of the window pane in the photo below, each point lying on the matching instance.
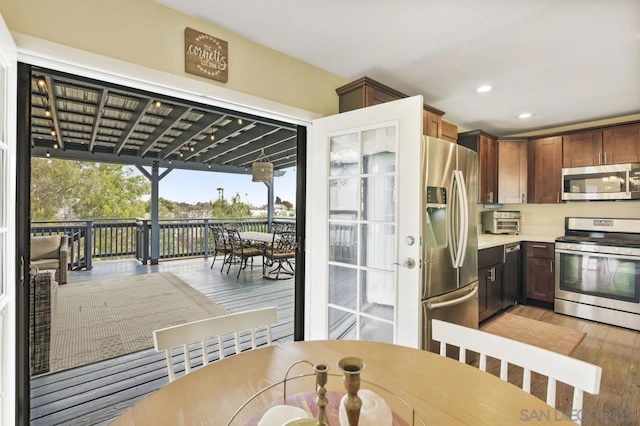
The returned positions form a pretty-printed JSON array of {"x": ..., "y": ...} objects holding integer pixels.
[
  {"x": 378, "y": 294},
  {"x": 378, "y": 150},
  {"x": 343, "y": 286},
  {"x": 343, "y": 242},
  {"x": 378, "y": 198},
  {"x": 345, "y": 150},
  {"x": 376, "y": 331},
  {"x": 378, "y": 249},
  {"x": 343, "y": 198},
  {"x": 342, "y": 325}
]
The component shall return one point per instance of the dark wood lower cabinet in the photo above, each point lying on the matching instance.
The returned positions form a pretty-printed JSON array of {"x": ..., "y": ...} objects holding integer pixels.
[
  {"x": 490, "y": 280},
  {"x": 540, "y": 272}
]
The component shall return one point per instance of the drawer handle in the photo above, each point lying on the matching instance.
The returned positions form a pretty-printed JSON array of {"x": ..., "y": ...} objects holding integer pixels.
[{"x": 539, "y": 246}]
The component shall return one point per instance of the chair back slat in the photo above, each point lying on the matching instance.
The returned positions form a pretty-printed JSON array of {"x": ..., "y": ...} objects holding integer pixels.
[
  {"x": 581, "y": 375},
  {"x": 200, "y": 331}
]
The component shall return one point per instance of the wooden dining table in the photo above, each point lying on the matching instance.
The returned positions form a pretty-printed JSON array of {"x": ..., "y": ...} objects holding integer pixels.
[{"x": 442, "y": 391}]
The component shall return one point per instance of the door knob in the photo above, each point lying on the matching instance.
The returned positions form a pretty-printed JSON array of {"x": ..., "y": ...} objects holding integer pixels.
[{"x": 409, "y": 263}]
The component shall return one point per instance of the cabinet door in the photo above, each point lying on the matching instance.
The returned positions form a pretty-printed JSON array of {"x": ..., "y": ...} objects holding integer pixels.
[
  {"x": 540, "y": 279},
  {"x": 483, "y": 284},
  {"x": 512, "y": 172},
  {"x": 449, "y": 131},
  {"x": 545, "y": 170},
  {"x": 432, "y": 125},
  {"x": 582, "y": 149},
  {"x": 488, "y": 179},
  {"x": 621, "y": 145},
  {"x": 494, "y": 289}
]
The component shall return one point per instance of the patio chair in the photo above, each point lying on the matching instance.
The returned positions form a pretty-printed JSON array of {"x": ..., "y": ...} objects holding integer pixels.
[
  {"x": 202, "y": 330},
  {"x": 557, "y": 367},
  {"x": 281, "y": 252},
  {"x": 221, "y": 245},
  {"x": 240, "y": 251},
  {"x": 50, "y": 252}
]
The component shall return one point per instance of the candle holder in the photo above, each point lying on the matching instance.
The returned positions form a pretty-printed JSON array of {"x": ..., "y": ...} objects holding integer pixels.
[
  {"x": 322, "y": 401},
  {"x": 351, "y": 368}
]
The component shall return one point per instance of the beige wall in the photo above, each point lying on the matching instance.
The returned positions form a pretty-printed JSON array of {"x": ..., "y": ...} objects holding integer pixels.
[
  {"x": 548, "y": 219},
  {"x": 146, "y": 33}
]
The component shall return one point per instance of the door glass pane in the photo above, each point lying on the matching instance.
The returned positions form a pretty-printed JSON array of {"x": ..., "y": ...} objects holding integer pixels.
[
  {"x": 378, "y": 195},
  {"x": 343, "y": 241},
  {"x": 345, "y": 150},
  {"x": 378, "y": 249},
  {"x": 342, "y": 324},
  {"x": 343, "y": 198},
  {"x": 361, "y": 182},
  {"x": 376, "y": 331},
  {"x": 343, "y": 286},
  {"x": 378, "y": 150},
  {"x": 378, "y": 294}
]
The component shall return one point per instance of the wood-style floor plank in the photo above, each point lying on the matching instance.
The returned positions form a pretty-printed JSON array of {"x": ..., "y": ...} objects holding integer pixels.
[{"x": 615, "y": 349}]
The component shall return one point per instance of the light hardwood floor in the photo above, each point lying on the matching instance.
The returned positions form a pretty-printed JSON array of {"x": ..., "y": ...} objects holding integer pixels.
[{"x": 615, "y": 349}]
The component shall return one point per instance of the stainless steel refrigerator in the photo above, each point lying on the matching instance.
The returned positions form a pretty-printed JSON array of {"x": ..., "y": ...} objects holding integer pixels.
[{"x": 450, "y": 239}]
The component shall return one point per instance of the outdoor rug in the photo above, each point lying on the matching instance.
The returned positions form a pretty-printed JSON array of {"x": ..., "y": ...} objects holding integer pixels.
[
  {"x": 102, "y": 319},
  {"x": 537, "y": 333}
]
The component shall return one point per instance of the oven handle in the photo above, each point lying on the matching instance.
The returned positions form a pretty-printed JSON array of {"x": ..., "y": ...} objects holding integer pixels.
[{"x": 593, "y": 253}]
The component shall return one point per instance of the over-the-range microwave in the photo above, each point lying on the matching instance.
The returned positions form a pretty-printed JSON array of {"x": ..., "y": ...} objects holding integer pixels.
[{"x": 606, "y": 182}]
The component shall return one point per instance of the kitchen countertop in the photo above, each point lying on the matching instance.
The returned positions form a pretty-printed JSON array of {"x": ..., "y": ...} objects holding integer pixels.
[{"x": 489, "y": 240}]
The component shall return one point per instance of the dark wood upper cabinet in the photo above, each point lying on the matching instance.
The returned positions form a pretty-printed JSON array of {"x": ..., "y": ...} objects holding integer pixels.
[
  {"x": 366, "y": 92},
  {"x": 610, "y": 145},
  {"x": 544, "y": 182},
  {"x": 621, "y": 144},
  {"x": 582, "y": 149},
  {"x": 512, "y": 171},
  {"x": 486, "y": 145}
]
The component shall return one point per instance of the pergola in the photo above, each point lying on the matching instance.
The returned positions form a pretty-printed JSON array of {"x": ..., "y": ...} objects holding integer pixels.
[{"x": 77, "y": 118}]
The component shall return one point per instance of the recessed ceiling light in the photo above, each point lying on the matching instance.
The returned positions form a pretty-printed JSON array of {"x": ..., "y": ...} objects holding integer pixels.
[
  {"x": 483, "y": 89},
  {"x": 525, "y": 115}
]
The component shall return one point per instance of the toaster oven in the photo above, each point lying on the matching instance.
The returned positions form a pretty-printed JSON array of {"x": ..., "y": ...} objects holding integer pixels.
[{"x": 501, "y": 222}]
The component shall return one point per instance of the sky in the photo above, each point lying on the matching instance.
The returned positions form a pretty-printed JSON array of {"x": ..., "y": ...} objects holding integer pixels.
[{"x": 193, "y": 186}]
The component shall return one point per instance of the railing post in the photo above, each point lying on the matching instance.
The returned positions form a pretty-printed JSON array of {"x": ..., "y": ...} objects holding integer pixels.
[
  {"x": 88, "y": 245},
  {"x": 206, "y": 238},
  {"x": 145, "y": 242}
]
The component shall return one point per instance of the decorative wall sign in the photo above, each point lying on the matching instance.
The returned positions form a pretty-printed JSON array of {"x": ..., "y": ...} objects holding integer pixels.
[{"x": 205, "y": 55}]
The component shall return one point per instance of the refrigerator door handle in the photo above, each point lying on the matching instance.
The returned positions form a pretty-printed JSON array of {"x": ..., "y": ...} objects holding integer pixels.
[
  {"x": 431, "y": 306},
  {"x": 450, "y": 216},
  {"x": 464, "y": 227},
  {"x": 461, "y": 214}
]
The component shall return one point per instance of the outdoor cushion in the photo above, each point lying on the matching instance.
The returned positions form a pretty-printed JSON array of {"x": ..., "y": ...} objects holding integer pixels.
[
  {"x": 46, "y": 263},
  {"x": 45, "y": 247}
]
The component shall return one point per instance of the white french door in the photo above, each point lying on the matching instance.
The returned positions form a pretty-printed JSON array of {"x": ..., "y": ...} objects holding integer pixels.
[
  {"x": 8, "y": 84},
  {"x": 364, "y": 217}
]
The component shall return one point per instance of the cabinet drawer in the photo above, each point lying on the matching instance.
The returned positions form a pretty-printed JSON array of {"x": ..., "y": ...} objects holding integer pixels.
[
  {"x": 543, "y": 250},
  {"x": 490, "y": 256}
]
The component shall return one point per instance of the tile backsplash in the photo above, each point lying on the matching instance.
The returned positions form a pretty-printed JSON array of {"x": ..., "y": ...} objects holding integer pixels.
[{"x": 548, "y": 219}]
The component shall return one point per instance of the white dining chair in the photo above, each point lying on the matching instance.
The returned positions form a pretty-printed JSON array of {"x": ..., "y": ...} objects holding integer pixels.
[
  {"x": 584, "y": 377},
  {"x": 203, "y": 330}
]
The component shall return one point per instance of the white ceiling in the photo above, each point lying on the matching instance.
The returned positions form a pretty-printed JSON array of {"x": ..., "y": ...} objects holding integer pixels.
[{"x": 563, "y": 61}]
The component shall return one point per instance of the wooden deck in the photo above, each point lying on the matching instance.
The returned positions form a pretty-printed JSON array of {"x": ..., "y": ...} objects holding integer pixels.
[{"x": 96, "y": 393}]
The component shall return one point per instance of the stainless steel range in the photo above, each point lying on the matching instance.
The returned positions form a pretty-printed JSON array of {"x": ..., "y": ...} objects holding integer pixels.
[{"x": 598, "y": 270}]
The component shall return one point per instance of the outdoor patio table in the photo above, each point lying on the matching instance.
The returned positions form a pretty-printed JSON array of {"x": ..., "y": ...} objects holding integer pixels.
[
  {"x": 441, "y": 390},
  {"x": 262, "y": 237}
]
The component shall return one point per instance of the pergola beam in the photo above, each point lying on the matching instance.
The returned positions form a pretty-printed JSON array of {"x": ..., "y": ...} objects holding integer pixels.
[
  {"x": 176, "y": 114},
  {"x": 54, "y": 111},
  {"x": 195, "y": 129},
  {"x": 96, "y": 123},
  {"x": 244, "y": 138},
  {"x": 138, "y": 113}
]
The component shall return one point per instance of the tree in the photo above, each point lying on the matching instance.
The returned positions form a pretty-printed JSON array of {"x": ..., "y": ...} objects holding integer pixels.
[
  {"x": 222, "y": 208},
  {"x": 67, "y": 189}
]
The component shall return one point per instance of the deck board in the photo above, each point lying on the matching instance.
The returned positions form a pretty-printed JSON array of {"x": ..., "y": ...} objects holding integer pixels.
[{"x": 96, "y": 393}]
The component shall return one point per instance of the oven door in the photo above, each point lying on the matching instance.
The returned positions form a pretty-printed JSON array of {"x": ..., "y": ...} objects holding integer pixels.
[{"x": 606, "y": 280}]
